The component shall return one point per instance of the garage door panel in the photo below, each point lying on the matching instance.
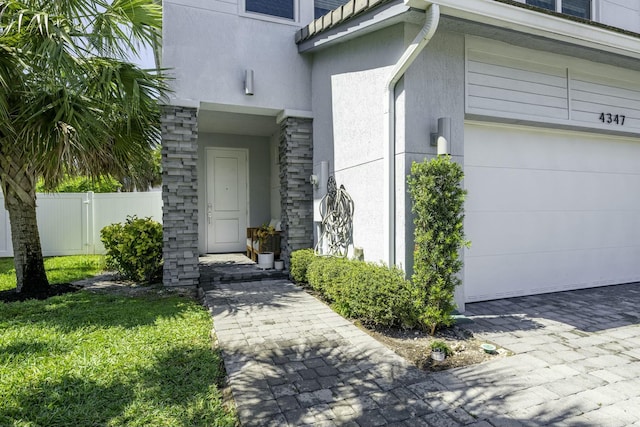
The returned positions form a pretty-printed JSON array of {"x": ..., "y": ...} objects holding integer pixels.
[
  {"x": 504, "y": 233},
  {"x": 549, "y": 150},
  {"x": 530, "y": 274},
  {"x": 549, "y": 210},
  {"x": 499, "y": 189}
]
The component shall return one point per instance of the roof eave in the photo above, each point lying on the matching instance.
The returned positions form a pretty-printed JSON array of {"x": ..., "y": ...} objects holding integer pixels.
[
  {"x": 499, "y": 13},
  {"x": 367, "y": 20},
  {"x": 505, "y": 14}
]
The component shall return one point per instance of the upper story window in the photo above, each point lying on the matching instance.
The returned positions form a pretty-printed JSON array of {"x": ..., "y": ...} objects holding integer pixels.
[
  {"x": 579, "y": 8},
  {"x": 278, "y": 8},
  {"x": 322, "y": 7}
]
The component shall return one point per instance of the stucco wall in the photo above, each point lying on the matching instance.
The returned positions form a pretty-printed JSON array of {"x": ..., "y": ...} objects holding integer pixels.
[
  {"x": 348, "y": 105},
  {"x": 209, "y": 45},
  {"x": 259, "y": 173},
  {"x": 434, "y": 88}
]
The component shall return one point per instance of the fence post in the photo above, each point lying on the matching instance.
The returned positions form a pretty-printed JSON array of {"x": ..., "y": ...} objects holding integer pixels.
[{"x": 89, "y": 221}]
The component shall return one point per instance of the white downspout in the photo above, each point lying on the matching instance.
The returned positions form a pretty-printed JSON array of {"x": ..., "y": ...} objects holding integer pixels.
[{"x": 410, "y": 54}]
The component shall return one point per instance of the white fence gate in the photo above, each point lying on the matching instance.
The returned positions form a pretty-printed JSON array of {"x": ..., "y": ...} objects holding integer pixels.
[{"x": 70, "y": 223}]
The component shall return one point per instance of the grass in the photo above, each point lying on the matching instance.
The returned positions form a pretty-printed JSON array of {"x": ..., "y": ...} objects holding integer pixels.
[
  {"x": 89, "y": 359},
  {"x": 59, "y": 269}
]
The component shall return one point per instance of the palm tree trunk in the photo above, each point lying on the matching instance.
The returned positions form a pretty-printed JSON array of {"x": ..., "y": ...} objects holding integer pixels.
[
  {"x": 27, "y": 252},
  {"x": 18, "y": 186}
]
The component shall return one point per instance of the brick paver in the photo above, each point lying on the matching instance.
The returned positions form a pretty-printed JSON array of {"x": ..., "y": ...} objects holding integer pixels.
[{"x": 292, "y": 361}]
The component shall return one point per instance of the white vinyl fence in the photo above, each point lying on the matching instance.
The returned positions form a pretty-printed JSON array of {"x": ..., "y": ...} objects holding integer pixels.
[{"x": 70, "y": 223}]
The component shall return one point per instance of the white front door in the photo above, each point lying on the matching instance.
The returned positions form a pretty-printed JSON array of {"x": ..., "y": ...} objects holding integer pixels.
[{"x": 226, "y": 213}]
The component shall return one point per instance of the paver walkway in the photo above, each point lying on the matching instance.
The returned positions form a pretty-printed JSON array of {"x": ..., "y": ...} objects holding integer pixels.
[{"x": 292, "y": 361}]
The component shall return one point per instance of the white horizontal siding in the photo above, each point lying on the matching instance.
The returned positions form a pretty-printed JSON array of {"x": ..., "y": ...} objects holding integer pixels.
[
  {"x": 593, "y": 95},
  {"x": 523, "y": 84},
  {"x": 502, "y": 84},
  {"x": 230, "y": 7},
  {"x": 623, "y": 14}
]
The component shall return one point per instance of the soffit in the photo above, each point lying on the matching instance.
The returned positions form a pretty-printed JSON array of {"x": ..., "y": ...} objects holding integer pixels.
[
  {"x": 536, "y": 42},
  {"x": 236, "y": 123}
]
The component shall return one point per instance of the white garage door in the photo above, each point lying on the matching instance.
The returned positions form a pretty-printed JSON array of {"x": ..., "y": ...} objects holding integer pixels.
[{"x": 549, "y": 210}]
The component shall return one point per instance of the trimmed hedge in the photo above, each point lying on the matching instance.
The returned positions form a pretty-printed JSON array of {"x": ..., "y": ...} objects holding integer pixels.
[
  {"x": 371, "y": 293},
  {"x": 326, "y": 275},
  {"x": 300, "y": 261},
  {"x": 376, "y": 295}
]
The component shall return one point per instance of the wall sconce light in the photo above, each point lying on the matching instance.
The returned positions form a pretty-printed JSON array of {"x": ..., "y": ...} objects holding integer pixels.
[
  {"x": 315, "y": 181},
  {"x": 248, "y": 82},
  {"x": 443, "y": 136}
]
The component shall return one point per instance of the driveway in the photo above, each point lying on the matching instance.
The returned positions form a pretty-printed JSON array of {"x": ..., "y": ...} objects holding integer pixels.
[
  {"x": 577, "y": 358},
  {"x": 292, "y": 361}
]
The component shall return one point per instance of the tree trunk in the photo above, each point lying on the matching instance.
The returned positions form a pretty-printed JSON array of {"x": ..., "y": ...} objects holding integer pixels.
[
  {"x": 27, "y": 252},
  {"x": 18, "y": 186}
]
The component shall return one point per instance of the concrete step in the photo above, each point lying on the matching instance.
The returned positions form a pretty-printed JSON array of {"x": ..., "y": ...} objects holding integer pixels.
[{"x": 210, "y": 276}]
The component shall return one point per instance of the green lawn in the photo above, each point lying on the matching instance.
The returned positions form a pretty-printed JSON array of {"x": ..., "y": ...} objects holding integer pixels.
[
  {"x": 87, "y": 359},
  {"x": 62, "y": 269}
]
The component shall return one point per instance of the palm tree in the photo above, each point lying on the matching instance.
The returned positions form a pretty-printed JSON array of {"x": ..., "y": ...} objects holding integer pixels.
[{"x": 71, "y": 104}]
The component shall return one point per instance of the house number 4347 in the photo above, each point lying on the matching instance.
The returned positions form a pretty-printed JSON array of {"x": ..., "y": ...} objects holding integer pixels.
[{"x": 609, "y": 118}]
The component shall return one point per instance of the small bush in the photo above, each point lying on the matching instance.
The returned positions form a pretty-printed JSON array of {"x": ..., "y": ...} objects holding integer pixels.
[
  {"x": 326, "y": 274},
  {"x": 300, "y": 261},
  {"x": 134, "y": 248},
  {"x": 376, "y": 295}
]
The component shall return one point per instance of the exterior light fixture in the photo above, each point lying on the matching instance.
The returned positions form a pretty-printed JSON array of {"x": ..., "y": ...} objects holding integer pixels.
[
  {"x": 248, "y": 82},
  {"x": 443, "y": 136}
]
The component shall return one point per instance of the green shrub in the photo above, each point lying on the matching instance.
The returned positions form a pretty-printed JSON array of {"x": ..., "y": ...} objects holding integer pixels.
[
  {"x": 325, "y": 275},
  {"x": 438, "y": 204},
  {"x": 82, "y": 184},
  {"x": 134, "y": 248},
  {"x": 376, "y": 295},
  {"x": 300, "y": 261}
]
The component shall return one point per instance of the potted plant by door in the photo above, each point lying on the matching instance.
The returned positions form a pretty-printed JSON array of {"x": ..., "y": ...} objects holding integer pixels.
[
  {"x": 265, "y": 235},
  {"x": 265, "y": 260}
]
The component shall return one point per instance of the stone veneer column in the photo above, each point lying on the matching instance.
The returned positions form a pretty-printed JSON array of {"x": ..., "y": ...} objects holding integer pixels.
[
  {"x": 180, "y": 195},
  {"x": 296, "y": 192}
]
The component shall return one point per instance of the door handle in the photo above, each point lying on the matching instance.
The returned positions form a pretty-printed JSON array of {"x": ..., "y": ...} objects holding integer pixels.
[{"x": 209, "y": 212}]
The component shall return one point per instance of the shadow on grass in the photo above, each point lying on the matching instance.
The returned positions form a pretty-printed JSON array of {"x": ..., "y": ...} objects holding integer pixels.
[
  {"x": 31, "y": 348},
  {"x": 85, "y": 309},
  {"x": 66, "y": 401},
  {"x": 176, "y": 385},
  {"x": 180, "y": 389}
]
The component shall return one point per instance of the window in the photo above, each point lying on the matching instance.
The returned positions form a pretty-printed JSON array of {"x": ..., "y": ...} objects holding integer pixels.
[
  {"x": 279, "y": 8},
  {"x": 579, "y": 8},
  {"x": 322, "y": 7},
  {"x": 545, "y": 4}
]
